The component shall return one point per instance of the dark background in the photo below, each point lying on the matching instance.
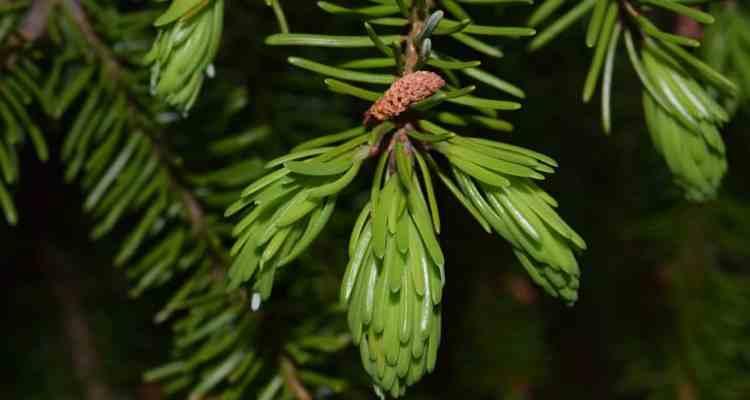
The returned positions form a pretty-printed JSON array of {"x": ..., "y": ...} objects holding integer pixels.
[{"x": 663, "y": 305}]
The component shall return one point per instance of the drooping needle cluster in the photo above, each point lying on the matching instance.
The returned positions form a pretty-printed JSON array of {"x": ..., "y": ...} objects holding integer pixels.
[
  {"x": 681, "y": 93},
  {"x": 182, "y": 55},
  {"x": 394, "y": 281}
]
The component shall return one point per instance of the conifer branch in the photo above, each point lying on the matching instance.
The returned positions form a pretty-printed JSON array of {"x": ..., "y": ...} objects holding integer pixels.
[
  {"x": 397, "y": 229},
  {"x": 196, "y": 214},
  {"x": 79, "y": 16},
  {"x": 199, "y": 264},
  {"x": 677, "y": 86},
  {"x": 194, "y": 209}
]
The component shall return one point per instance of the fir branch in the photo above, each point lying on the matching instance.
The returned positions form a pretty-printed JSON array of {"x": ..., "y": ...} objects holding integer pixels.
[
  {"x": 205, "y": 313},
  {"x": 195, "y": 210},
  {"x": 196, "y": 214},
  {"x": 679, "y": 103},
  {"x": 79, "y": 16},
  {"x": 397, "y": 230}
]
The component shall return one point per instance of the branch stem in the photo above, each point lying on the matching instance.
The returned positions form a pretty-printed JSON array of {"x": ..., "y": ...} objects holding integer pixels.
[
  {"x": 32, "y": 27},
  {"x": 292, "y": 380},
  {"x": 78, "y": 14},
  {"x": 420, "y": 9},
  {"x": 195, "y": 213}
]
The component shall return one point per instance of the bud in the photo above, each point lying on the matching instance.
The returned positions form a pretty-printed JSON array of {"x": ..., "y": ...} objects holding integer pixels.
[{"x": 403, "y": 93}]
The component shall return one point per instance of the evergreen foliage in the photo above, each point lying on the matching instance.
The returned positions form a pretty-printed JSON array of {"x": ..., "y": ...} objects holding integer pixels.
[
  {"x": 682, "y": 117},
  {"x": 212, "y": 221}
]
